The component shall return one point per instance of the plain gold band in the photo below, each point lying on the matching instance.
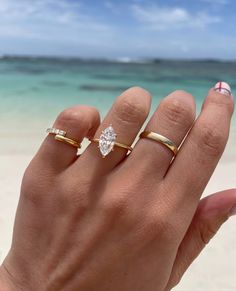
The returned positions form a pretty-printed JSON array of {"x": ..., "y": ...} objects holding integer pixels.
[
  {"x": 161, "y": 139},
  {"x": 68, "y": 141},
  {"x": 117, "y": 144}
]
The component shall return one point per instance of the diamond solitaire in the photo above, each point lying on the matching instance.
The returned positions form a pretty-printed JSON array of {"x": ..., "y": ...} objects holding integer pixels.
[{"x": 107, "y": 141}]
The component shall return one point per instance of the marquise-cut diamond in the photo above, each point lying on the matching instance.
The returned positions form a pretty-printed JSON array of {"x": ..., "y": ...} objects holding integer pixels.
[{"x": 107, "y": 141}]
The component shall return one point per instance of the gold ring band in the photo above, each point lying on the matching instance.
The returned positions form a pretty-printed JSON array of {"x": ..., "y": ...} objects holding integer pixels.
[
  {"x": 118, "y": 144},
  {"x": 161, "y": 139},
  {"x": 68, "y": 141}
]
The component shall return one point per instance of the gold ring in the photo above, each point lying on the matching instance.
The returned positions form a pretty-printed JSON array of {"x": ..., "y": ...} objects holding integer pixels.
[
  {"x": 68, "y": 141},
  {"x": 107, "y": 142},
  {"x": 161, "y": 139}
]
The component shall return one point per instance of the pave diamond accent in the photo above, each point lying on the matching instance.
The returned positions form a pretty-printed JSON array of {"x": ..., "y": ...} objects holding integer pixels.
[
  {"x": 107, "y": 141},
  {"x": 56, "y": 131}
]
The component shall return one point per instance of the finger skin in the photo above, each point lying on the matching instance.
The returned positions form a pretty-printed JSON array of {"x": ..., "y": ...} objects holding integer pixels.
[
  {"x": 64, "y": 239},
  {"x": 5, "y": 282},
  {"x": 79, "y": 122},
  {"x": 211, "y": 213},
  {"x": 126, "y": 116},
  {"x": 198, "y": 157},
  {"x": 173, "y": 118}
]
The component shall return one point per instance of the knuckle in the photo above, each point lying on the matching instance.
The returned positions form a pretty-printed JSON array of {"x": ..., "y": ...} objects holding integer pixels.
[
  {"x": 158, "y": 225},
  {"x": 177, "y": 112},
  {"x": 75, "y": 193},
  {"x": 206, "y": 234},
  {"x": 130, "y": 108},
  {"x": 71, "y": 116},
  {"x": 77, "y": 202},
  {"x": 33, "y": 188},
  {"x": 92, "y": 111},
  {"x": 113, "y": 206},
  {"x": 176, "y": 277},
  {"x": 212, "y": 139},
  {"x": 29, "y": 194},
  {"x": 208, "y": 228},
  {"x": 167, "y": 230}
]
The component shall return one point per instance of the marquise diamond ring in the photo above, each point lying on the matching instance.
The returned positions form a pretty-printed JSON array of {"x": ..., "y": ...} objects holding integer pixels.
[{"x": 107, "y": 142}]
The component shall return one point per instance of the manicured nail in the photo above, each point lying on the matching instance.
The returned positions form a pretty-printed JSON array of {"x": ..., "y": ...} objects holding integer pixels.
[
  {"x": 223, "y": 88},
  {"x": 233, "y": 211}
]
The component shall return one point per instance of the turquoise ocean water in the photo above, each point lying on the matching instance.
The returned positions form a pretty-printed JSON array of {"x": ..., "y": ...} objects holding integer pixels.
[{"x": 34, "y": 90}]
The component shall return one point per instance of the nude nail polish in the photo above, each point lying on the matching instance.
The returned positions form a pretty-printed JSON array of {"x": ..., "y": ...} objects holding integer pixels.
[
  {"x": 233, "y": 211},
  {"x": 223, "y": 88}
]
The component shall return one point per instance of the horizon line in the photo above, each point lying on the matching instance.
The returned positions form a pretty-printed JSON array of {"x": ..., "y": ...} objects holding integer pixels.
[{"x": 113, "y": 59}]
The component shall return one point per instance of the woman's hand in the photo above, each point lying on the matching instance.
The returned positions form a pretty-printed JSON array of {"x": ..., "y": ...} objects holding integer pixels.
[{"x": 121, "y": 223}]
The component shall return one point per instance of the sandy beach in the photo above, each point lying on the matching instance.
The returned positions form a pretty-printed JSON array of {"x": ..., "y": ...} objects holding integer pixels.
[{"x": 214, "y": 270}]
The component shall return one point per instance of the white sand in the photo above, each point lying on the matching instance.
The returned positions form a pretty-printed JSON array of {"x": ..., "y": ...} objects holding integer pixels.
[{"x": 214, "y": 270}]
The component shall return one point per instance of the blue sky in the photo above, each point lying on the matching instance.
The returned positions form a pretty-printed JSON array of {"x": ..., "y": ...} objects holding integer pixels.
[{"x": 119, "y": 28}]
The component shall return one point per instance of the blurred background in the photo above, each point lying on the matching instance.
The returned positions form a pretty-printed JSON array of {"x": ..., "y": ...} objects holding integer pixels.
[{"x": 57, "y": 53}]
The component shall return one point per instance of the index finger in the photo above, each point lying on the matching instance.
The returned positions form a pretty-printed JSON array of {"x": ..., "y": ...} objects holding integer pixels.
[{"x": 200, "y": 153}]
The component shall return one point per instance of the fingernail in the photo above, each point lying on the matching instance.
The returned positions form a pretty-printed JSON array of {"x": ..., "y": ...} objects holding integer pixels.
[
  {"x": 233, "y": 211},
  {"x": 223, "y": 88}
]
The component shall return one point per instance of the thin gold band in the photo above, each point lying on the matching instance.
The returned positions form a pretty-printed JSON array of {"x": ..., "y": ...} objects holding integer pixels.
[
  {"x": 161, "y": 139},
  {"x": 118, "y": 144},
  {"x": 68, "y": 141}
]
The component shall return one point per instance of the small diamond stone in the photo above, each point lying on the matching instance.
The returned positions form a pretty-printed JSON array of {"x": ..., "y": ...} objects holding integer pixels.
[
  {"x": 107, "y": 141},
  {"x": 56, "y": 131}
]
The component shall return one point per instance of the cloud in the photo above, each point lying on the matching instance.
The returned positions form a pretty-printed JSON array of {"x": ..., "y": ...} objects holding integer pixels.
[
  {"x": 164, "y": 18},
  {"x": 47, "y": 19},
  {"x": 77, "y": 28},
  {"x": 39, "y": 8}
]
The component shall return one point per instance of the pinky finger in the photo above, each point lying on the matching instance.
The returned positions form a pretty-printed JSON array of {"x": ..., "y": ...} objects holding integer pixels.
[{"x": 211, "y": 213}]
